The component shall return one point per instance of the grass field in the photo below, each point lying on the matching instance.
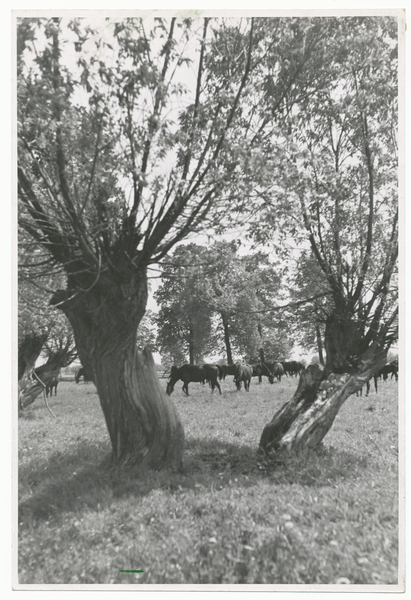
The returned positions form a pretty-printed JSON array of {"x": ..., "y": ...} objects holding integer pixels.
[{"x": 229, "y": 517}]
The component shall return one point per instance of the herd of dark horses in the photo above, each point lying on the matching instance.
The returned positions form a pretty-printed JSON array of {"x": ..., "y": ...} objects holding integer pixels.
[
  {"x": 241, "y": 372},
  {"x": 383, "y": 373}
]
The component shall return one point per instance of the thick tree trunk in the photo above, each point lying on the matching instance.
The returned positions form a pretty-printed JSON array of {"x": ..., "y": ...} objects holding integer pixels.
[
  {"x": 142, "y": 421},
  {"x": 304, "y": 421}
]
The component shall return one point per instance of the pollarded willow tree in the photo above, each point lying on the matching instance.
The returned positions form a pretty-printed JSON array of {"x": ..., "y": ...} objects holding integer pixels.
[
  {"x": 130, "y": 136},
  {"x": 338, "y": 188}
]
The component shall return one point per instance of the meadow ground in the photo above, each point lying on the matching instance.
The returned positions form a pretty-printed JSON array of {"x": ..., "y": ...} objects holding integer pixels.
[{"x": 229, "y": 517}]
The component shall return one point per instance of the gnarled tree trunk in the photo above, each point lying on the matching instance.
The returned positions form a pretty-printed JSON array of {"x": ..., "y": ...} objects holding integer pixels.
[
  {"x": 29, "y": 351},
  {"x": 304, "y": 421},
  {"x": 142, "y": 421},
  {"x": 39, "y": 380}
]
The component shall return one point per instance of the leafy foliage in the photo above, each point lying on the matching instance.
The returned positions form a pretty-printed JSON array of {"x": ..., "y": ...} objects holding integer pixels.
[
  {"x": 184, "y": 320},
  {"x": 215, "y": 300}
]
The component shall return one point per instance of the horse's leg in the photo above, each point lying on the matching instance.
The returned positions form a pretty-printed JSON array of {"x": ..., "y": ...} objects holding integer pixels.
[
  {"x": 218, "y": 386},
  {"x": 185, "y": 388}
]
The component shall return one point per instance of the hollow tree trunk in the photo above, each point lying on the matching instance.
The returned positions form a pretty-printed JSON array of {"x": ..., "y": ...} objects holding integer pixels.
[
  {"x": 304, "y": 421},
  {"x": 142, "y": 421}
]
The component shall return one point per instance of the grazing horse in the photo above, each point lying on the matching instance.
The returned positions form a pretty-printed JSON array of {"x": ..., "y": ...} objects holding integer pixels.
[
  {"x": 193, "y": 374},
  {"x": 382, "y": 374},
  {"x": 52, "y": 384},
  {"x": 292, "y": 367},
  {"x": 219, "y": 368},
  {"x": 387, "y": 369},
  {"x": 244, "y": 373},
  {"x": 261, "y": 369},
  {"x": 228, "y": 370},
  {"x": 277, "y": 371}
]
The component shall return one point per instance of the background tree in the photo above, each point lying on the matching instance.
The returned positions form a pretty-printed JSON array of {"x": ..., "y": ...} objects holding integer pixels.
[
  {"x": 184, "y": 320},
  {"x": 237, "y": 288},
  {"x": 147, "y": 332},
  {"x": 310, "y": 293}
]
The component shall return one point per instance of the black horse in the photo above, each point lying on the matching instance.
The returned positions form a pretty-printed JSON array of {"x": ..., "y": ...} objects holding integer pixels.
[
  {"x": 52, "y": 385},
  {"x": 391, "y": 368},
  {"x": 219, "y": 368},
  {"x": 193, "y": 374},
  {"x": 244, "y": 373},
  {"x": 228, "y": 370},
  {"x": 292, "y": 367},
  {"x": 261, "y": 369}
]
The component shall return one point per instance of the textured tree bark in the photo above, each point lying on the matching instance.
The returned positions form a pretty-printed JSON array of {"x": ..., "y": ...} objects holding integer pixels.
[
  {"x": 304, "y": 421},
  {"x": 142, "y": 421}
]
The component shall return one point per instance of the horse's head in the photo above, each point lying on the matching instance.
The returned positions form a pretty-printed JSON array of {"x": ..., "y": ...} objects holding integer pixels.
[{"x": 174, "y": 377}]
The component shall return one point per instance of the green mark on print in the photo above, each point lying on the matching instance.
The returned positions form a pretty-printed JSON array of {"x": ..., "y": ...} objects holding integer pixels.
[{"x": 131, "y": 571}]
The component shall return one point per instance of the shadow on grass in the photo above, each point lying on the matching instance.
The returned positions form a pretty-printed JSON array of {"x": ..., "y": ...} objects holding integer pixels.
[{"x": 79, "y": 479}]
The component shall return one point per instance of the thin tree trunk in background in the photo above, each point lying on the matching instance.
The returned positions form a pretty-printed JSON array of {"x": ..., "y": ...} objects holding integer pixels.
[
  {"x": 262, "y": 356},
  {"x": 319, "y": 345},
  {"x": 191, "y": 347},
  {"x": 227, "y": 340}
]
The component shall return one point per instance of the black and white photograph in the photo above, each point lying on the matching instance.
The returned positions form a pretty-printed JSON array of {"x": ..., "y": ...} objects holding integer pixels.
[{"x": 209, "y": 265}]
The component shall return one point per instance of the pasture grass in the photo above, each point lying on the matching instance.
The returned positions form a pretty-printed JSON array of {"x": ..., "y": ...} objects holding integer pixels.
[{"x": 229, "y": 516}]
